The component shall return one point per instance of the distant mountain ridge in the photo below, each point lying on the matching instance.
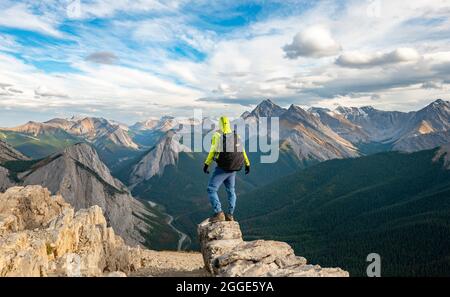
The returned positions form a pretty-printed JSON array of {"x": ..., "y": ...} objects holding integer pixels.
[
  {"x": 405, "y": 131},
  {"x": 96, "y": 130},
  {"x": 352, "y": 127},
  {"x": 112, "y": 140}
]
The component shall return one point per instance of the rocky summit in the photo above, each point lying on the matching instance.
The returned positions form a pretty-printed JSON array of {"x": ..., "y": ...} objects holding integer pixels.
[{"x": 225, "y": 253}]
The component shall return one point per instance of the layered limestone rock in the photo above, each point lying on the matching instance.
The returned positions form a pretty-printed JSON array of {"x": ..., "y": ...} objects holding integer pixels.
[
  {"x": 225, "y": 253},
  {"x": 42, "y": 235}
]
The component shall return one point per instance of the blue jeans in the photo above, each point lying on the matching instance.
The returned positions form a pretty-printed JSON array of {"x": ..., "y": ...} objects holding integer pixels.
[{"x": 218, "y": 178}]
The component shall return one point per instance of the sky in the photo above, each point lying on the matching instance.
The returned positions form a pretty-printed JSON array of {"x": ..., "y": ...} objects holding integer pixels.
[{"x": 129, "y": 60}]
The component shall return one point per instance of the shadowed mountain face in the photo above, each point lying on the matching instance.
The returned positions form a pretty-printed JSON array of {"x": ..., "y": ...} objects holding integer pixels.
[
  {"x": 8, "y": 153},
  {"x": 337, "y": 212}
]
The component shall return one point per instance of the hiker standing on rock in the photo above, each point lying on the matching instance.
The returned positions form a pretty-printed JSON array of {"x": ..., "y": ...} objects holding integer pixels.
[{"x": 229, "y": 154}]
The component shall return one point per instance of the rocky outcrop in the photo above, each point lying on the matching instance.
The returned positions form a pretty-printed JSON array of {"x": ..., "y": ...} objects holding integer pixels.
[
  {"x": 225, "y": 253},
  {"x": 42, "y": 235}
]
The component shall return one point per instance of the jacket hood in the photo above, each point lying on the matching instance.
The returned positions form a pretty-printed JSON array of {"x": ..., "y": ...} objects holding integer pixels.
[{"x": 224, "y": 125}]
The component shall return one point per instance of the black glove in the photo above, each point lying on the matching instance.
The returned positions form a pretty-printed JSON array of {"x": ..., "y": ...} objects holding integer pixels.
[
  {"x": 205, "y": 169},
  {"x": 247, "y": 169}
]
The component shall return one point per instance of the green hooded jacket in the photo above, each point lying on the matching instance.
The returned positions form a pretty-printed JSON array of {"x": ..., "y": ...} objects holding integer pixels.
[{"x": 225, "y": 128}]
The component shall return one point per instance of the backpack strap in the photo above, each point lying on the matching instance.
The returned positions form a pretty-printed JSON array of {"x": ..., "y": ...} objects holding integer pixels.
[
  {"x": 224, "y": 143},
  {"x": 235, "y": 142}
]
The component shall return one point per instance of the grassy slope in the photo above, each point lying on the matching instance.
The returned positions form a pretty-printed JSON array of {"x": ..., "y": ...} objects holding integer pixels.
[
  {"x": 339, "y": 211},
  {"x": 41, "y": 145}
]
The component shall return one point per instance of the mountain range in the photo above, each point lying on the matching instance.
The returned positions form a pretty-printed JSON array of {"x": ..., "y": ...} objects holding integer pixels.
[
  {"x": 84, "y": 158},
  {"x": 402, "y": 131},
  {"x": 314, "y": 134}
]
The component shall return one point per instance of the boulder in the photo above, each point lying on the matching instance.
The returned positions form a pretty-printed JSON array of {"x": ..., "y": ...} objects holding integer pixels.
[
  {"x": 217, "y": 239},
  {"x": 225, "y": 253}
]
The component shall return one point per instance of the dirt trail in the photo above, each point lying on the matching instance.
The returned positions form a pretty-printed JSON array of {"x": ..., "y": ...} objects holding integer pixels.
[{"x": 171, "y": 264}]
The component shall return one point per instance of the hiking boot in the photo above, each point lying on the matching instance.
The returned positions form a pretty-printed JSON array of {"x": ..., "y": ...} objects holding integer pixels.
[
  {"x": 218, "y": 217},
  {"x": 229, "y": 217}
]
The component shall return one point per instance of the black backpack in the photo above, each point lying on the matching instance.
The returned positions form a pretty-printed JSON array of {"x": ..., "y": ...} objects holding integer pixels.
[{"x": 231, "y": 156}]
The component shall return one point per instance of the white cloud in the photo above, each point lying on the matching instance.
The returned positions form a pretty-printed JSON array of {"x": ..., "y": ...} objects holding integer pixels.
[
  {"x": 313, "y": 42},
  {"x": 362, "y": 60},
  {"x": 19, "y": 16},
  {"x": 44, "y": 91},
  {"x": 182, "y": 71},
  {"x": 105, "y": 8}
]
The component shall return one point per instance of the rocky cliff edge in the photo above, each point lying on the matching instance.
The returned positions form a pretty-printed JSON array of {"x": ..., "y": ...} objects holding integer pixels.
[
  {"x": 42, "y": 235},
  {"x": 225, "y": 253}
]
